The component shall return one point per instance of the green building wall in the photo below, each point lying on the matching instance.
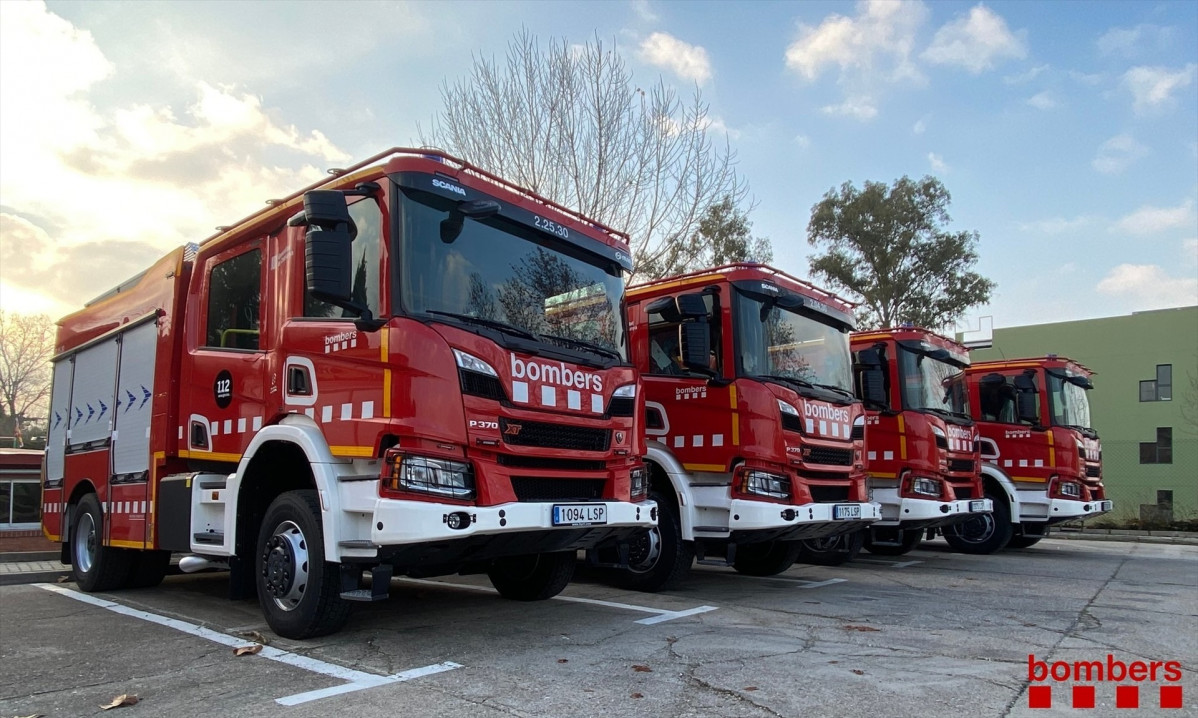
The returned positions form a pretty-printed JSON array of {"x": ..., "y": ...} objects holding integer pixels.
[{"x": 1124, "y": 351}]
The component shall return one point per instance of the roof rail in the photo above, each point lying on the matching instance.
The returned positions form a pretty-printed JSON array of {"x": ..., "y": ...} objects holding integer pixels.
[{"x": 758, "y": 266}]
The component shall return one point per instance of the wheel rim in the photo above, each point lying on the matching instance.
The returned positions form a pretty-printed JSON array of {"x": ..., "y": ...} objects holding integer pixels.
[
  {"x": 85, "y": 543},
  {"x": 823, "y": 545},
  {"x": 644, "y": 551},
  {"x": 976, "y": 529},
  {"x": 285, "y": 566}
]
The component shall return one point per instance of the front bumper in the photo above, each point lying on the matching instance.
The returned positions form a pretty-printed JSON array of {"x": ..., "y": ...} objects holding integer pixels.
[
  {"x": 1035, "y": 506},
  {"x": 754, "y": 521},
  {"x": 909, "y": 513}
]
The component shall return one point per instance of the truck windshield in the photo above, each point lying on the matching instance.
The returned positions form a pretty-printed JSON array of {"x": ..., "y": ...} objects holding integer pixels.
[
  {"x": 1070, "y": 405},
  {"x": 791, "y": 344},
  {"x": 932, "y": 384},
  {"x": 499, "y": 272}
]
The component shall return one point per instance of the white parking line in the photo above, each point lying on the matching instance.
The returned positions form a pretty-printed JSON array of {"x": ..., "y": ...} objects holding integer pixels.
[
  {"x": 802, "y": 583},
  {"x": 883, "y": 562},
  {"x": 662, "y": 616},
  {"x": 357, "y": 680}
]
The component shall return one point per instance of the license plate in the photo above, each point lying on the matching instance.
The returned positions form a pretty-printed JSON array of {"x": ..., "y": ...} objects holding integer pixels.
[
  {"x": 846, "y": 511},
  {"x": 579, "y": 514},
  {"x": 976, "y": 506}
]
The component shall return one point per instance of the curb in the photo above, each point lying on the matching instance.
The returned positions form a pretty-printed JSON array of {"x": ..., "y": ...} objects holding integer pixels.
[
  {"x": 17, "y": 579},
  {"x": 1181, "y": 540},
  {"x": 21, "y": 556}
]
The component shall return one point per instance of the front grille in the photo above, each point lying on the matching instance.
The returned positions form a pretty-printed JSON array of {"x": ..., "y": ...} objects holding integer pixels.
[
  {"x": 621, "y": 406},
  {"x": 483, "y": 385},
  {"x": 1093, "y": 472},
  {"x": 541, "y": 462},
  {"x": 790, "y": 422},
  {"x": 554, "y": 436},
  {"x": 829, "y": 494},
  {"x": 963, "y": 492},
  {"x": 832, "y": 457},
  {"x": 961, "y": 465},
  {"x": 530, "y": 488}
]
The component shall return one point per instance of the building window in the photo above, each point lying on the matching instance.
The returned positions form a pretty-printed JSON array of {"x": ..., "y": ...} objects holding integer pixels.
[
  {"x": 1160, "y": 451},
  {"x": 20, "y": 504},
  {"x": 1160, "y": 388}
]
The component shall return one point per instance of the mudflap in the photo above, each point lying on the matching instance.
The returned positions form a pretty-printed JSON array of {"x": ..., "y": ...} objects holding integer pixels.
[{"x": 242, "y": 585}]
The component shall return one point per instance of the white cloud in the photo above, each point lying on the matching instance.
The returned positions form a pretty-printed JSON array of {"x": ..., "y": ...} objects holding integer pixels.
[
  {"x": 1189, "y": 251},
  {"x": 717, "y": 124},
  {"x": 803, "y": 141},
  {"x": 1153, "y": 87},
  {"x": 690, "y": 62},
  {"x": 1128, "y": 41},
  {"x": 921, "y": 125},
  {"x": 861, "y": 108},
  {"x": 1043, "y": 101},
  {"x": 644, "y": 11},
  {"x": 1025, "y": 77},
  {"x": 977, "y": 41},
  {"x": 1087, "y": 78},
  {"x": 1151, "y": 220},
  {"x": 1117, "y": 154},
  {"x": 882, "y": 32},
  {"x": 1056, "y": 225},
  {"x": 937, "y": 163},
  {"x": 1149, "y": 287}
]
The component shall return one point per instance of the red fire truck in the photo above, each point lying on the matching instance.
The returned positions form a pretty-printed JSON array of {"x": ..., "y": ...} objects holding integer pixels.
[
  {"x": 755, "y": 434},
  {"x": 413, "y": 367},
  {"x": 921, "y": 443},
  {"x": 1043, "y": 461}
]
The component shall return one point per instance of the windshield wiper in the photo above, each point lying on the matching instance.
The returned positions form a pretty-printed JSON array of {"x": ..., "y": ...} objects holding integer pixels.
[
  {"x": 582, "y": 343},
  {"x": 838, "y": 390},
  {"x": 945, "y": 412},
  {"x": 786, "y": 379},
  {"x": 492, "y": 323}
]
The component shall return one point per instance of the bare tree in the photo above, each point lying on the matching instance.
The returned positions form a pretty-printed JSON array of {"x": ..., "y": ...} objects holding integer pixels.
[
  {"x": 26, "y": 345},
  {"x": 568, "y": 123}
]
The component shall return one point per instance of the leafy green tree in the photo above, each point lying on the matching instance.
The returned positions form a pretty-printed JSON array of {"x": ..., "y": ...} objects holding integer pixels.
[
  {"x": 890, "y": 248},
  {"x": 724, "y": 236}
]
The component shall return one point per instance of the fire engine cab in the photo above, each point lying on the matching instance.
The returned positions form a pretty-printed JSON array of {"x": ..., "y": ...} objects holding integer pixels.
[
  {"x": 413, "y": 367},
  {"x": 755, "y": 436}
]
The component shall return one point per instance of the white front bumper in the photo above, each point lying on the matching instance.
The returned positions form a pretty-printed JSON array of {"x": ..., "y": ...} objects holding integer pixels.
[
  {"x": 398, "y": 522},
  {"x": 1036, "y": 506},
  {"x": 746, "y": 515},
  {"x": 896, "y": 509}
]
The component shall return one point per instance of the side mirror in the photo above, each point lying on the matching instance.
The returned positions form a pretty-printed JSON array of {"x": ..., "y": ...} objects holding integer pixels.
[
  {"x": 1025, "y": 399},
  {"x": 692, "y": 306},
  {"x": 694, "y": 342},
  {"x": 667, "y": 307},
  {"x": 873, "y": 388},
  {"x": 327, "y": 251}
]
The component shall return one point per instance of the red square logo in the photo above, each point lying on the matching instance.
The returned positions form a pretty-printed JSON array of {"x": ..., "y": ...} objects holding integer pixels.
[
  {"x": 1170, "y": 696},
  {"x": 1083, "y": 696},
  {"x": 1127, "y": 696},
  {"x": 1039, "y": 697}
]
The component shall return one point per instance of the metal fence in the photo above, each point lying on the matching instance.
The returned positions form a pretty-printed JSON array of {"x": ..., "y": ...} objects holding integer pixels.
[{"x": 1151, "y": 495}]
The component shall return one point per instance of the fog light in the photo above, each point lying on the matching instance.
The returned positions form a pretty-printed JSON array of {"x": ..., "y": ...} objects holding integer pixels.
[
  {"x": 788, "y": 515},
  {"x": 457, "y": 520},
  {"x": 1070, "y": 488},
  {"x": 926, "y": 487},
  {"x": 763, "y": 483},
  {"x": 638, "y": 483}
]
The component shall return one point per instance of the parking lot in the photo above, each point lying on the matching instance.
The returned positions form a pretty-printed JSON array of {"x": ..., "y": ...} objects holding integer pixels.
[{"x": 932, "y": 633}]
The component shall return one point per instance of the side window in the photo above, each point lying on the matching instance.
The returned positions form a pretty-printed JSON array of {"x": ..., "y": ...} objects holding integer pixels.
[
  {"x": 368, "y": 219},
  {"x": 234, "y": 298},
  {"x": 997, "y": 399},
  {"x": 665, "y": 355}
]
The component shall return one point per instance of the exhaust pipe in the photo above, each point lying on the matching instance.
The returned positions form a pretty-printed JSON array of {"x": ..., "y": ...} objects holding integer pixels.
[{"x": 191, "y": 564}]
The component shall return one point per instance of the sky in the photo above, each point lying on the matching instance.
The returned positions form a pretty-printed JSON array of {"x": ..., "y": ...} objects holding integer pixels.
[{"x": 1066, "y": 132}]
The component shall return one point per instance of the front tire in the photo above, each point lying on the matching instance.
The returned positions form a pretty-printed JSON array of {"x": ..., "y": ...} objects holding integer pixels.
[
  {"x": 658, "y": 558},
  {"x": 1023, "y": 541},
  {"x": 148, "y": 568},
  {"x": 833, "y": 550},
  {"x": 984, "y": 534},
  {"x": 768, "y": 558},
  {"x": 299, "y": 592},
  {"x": 96, "y": 567},
  {"x": 532, "y": 578},
  {"x": 907, "y": 541}
]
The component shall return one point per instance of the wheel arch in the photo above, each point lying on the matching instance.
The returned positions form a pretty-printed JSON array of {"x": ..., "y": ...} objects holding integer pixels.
[
  {"x": 667, "y": 471},
  {"x": 997, "y": 482}
]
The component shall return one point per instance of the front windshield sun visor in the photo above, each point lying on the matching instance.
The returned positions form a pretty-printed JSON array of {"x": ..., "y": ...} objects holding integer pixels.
[{"x": 772, "y": 294}]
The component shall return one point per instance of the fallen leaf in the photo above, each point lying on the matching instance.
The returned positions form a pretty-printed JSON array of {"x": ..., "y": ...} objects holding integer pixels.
[
  {"x": 851, "y": 627},
  {"x": 247, "y": 650},
  {"x": 858, "y": 672},
  {"x": 671, "y": 640},
  {"x": 563, "y": 660},
  {"x": 255, "y": 636},
  {"x": 749, "y": 688},
  {"x": 637, "y": 695},
  {"x": 642, "y": 669},
  {"x": 833, "y": 661},
  {"x": 64, "y": 579},
  {"x": 124, "y": 699}
]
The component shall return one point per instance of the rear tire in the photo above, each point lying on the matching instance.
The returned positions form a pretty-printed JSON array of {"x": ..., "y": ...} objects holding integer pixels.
[
  {"x": 908, "y": 540},
  {"x": 532, "y": 578},
  {"x": 299, "y": 593},
  {"x": 96, "y": 567},
  {"x": 768, "y": 558},
  {"x": 148, "y": 568},
  {"x": 983, "y": 534},
  {"x": 658, "y": 558},
  {"x": 832, "y": 551}
]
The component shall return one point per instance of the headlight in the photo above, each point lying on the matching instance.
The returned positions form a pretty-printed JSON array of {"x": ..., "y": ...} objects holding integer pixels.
[
  {"x": 859, "y": 427},
  {"x": 638, "y": 482},
  {"x": 623, "y": 401},
  {"x": 469, "y": 362},
  {"x": 790, "y": 417},
  {"x": 787, "y": 408},
  {"x": 941, "y": 439},
  {"x": 427, "y": 475},
  {"x": 477, "y": 377},
  {"x": 925, "y": 487},
  {"x": 628, "y": 391},
  {"x": 764, "y": 483},
  {"x": 1070, "y": 488}
]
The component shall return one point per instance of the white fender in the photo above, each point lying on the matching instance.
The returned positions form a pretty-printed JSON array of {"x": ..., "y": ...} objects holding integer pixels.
[
  {"x": 298, "y": 429},
  {"x": 659, "y": 454},
  {"x": 990, "y": 471}
]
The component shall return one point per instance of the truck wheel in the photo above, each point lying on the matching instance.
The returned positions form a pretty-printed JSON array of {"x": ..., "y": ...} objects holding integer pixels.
[
  {"x": 298, "y": 591},
  {"x": 982, "y": 534},
  {"x": 532, "y": 578},
  {"x": 148, "y": 568},
  {"x": 96, "y": 567},
  {"x": 1023, "y": 541},
  {"x": 907, "y": 541},
  {"x": 832, "y": 550},
  {"x": 768, "y": 558},
  {"x": 658, "y": 558}
]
